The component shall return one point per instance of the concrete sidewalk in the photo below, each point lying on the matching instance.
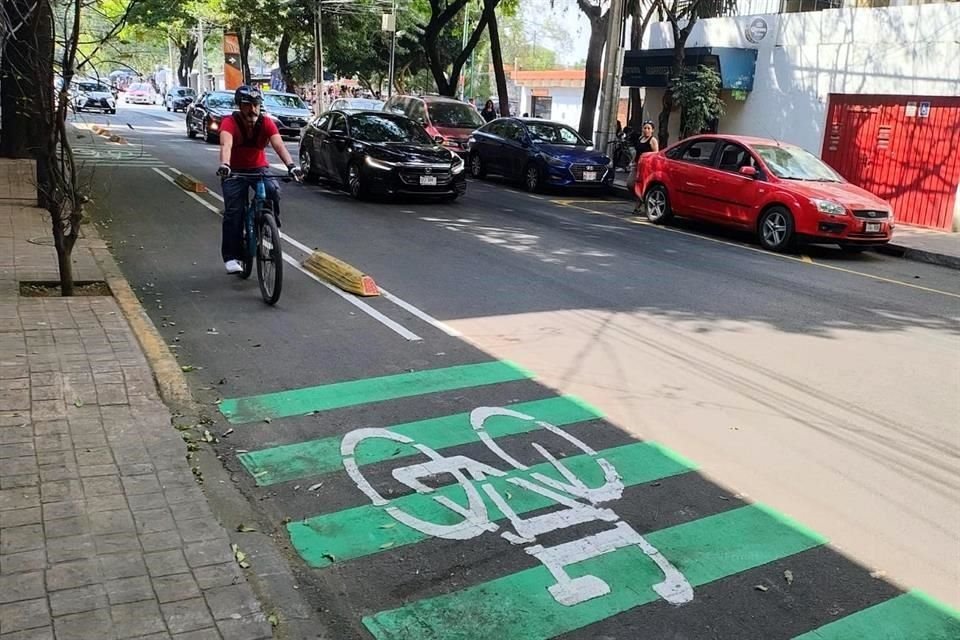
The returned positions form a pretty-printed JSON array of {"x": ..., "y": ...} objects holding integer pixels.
[
  {"x": 104, "y": 531},
  {"x": 913, "y": 243}
]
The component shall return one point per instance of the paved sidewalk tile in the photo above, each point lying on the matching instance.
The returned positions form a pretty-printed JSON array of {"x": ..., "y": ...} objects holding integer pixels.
[{"x": 104, "y": 533}]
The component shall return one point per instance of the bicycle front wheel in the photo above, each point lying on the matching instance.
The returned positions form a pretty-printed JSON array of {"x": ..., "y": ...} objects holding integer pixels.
[{"x": 269, "y": 259}]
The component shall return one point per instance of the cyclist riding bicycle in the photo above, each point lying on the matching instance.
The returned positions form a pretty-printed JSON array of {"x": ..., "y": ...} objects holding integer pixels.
[{"x": 243, "y": 138}]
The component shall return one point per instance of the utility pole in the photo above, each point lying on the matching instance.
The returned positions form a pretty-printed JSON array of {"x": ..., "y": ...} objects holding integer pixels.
[
  {"x": 463, "y": 75},
  {"x": 391, "y": 22},
  {"x": 201, "y": 77},
  {"x": 610, "y": 87},
  {"x": 318, "y": 56}
]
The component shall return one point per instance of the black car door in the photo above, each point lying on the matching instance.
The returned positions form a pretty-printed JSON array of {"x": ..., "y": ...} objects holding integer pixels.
[
  {"x": 198, "y": 115},
  {"x": 310, "y": 142},
  {"x": 337, "y": 147}
]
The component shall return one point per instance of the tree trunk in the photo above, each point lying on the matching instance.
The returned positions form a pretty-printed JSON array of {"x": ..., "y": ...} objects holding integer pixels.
[
  {"x": 188, "y": 54},
  {"x": 676, "y": 68},
  {"x": 283, "y": 60},
  {"x": 490, "y": 7},
  {"x": 593, "y": 72},
  {"x": 244, "y": 37},
  {"x": 20, "y": 86}
]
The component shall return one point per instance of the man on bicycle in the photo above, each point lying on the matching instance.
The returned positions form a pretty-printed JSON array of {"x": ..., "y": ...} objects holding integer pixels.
[{"x": 243, "y": 138}]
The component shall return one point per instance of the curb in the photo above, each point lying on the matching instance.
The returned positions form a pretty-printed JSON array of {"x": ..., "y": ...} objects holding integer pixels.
[
  {"x": 271, "y": 576},
  {"x": 920, "y": 255},
  {"x": 340, "y": 274}
]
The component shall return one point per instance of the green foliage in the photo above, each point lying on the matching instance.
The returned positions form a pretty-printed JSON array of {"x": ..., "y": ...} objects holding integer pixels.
[{"x": 697, "y": 91}]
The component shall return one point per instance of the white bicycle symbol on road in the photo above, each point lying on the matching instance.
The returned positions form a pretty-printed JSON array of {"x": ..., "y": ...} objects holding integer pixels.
[{"x": 580, "y": 504}]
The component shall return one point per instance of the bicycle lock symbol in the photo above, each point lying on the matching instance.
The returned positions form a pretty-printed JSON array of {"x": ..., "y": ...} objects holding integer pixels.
[{"x": 580, "y": 505}]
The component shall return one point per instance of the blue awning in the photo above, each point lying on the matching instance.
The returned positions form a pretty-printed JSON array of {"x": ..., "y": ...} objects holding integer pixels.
[{"x": 651, "y": 67}]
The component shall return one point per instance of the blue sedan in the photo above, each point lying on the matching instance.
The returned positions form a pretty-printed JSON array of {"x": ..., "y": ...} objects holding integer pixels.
[{"x": 538, "y": 153}]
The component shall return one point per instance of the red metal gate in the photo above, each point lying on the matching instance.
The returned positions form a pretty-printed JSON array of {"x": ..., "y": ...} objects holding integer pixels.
[{"x": 902, "y": 148}]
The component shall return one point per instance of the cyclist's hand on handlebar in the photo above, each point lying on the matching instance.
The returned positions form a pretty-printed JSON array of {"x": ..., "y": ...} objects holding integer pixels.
[
  {"x": 295, "y": 172},
  {"x": 224, "y": 171}
]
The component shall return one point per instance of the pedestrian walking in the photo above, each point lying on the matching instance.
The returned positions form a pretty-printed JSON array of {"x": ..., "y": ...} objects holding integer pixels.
[
  {"x": 489, "y": 111},
  {"x": 646, "y": 143}
]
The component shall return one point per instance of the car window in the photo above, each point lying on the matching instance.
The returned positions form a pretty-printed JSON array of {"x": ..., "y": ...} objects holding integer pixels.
[
  {"x": 338, "y": 123},
  {"x": 454, "y": 114},
  {"x": 733, "y": 157},
  {"x": 219, "y": 101},
  {"x": 321, "y": 122},
  {"x": 417, "y": 111},
  {"x": 699, "y": 152},
  {"x": 510, "y": 130},
  {"x": 493, "y": 128},
  {"x": 283, "y": 101},
  {"x": 674, "y": 152},
  {"x": 793, "y": 163},
  {"x": 373, "y": 127},
  {"x": 554, "y": 133}
]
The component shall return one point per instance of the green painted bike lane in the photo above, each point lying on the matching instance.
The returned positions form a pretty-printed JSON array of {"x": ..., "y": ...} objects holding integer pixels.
[{"x": 519, "y": 605}]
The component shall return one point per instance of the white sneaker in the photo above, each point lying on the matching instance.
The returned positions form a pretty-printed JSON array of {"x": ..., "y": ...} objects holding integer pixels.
[{"x": 233, "y": 266}]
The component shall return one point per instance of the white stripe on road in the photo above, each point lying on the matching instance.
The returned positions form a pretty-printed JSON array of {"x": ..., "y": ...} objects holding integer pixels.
[{"x": 360, "y": 304}]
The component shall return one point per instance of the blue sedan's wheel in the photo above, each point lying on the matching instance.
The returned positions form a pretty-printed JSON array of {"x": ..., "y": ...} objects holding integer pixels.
[
  {"x": 531, "y": 178},
  {"x": 477, "y": 170}
]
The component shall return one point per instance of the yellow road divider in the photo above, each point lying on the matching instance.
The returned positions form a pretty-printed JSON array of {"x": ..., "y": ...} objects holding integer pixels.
[
  {"x": 340, "y": 274},
  {"x": 189, "y": 183}
]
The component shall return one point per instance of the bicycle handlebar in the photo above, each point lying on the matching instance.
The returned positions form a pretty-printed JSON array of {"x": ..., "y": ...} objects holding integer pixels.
[{"x": 284, "y": 177}]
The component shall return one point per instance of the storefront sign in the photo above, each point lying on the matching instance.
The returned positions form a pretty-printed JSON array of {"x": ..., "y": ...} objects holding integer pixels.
[
  {"x": 924, "y": 109},
  {"x": 756, "y": 30},
  {"x": 911, "y": 110}
]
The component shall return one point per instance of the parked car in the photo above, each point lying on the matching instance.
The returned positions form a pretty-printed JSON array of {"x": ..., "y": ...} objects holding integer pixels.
[
  {"x": 357, "y": 104},
  {"x": 90, "y": 94},
  {"x": 374, "y": 152},
  {"x": 442, "y": 117},
  {"x": 538, "y": 153},
  {"x": 291, "y": 113},
  {"x": 779, "y": 191},
  {"x": 204, "y": 114},
  {"x": 179, "y": 98},
  {"x": 141, "y": 93}
]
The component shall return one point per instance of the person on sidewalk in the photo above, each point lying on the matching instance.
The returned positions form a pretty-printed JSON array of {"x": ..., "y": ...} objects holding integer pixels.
[
  {"x": 646, "y": 143},
  {"x": 489, "y": 111},
  {"x": 252, "y": 132}
]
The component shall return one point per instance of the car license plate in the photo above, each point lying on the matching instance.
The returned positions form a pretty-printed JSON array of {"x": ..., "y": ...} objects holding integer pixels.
[
  {"x": 428, "y": 181},
  {"x": 872, "y": 227},
  {"x": 589, "y": 176}
]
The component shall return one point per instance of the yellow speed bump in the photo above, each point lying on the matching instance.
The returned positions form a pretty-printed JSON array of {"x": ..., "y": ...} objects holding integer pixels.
[
  {"x": 341, "y": 274},
  {"x": 189, "y": 183}
]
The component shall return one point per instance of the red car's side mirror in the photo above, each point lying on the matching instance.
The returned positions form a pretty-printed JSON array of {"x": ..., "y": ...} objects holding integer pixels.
[{"x": 750, "y": 172}]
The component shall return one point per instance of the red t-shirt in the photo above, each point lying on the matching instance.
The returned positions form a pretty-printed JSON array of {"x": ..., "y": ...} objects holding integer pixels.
[{"x": 248, "y": 154}]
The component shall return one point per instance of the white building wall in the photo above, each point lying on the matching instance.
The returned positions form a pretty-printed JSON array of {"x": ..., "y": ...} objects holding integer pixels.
[{"x": 901, "y": 50}]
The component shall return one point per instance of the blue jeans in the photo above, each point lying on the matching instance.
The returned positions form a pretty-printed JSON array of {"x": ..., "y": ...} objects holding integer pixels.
[{"x": 235, "y": 199}]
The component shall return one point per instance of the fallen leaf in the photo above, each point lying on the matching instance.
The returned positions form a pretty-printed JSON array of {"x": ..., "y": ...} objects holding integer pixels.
[
  {"x": 78, "y": 402},
  {"x": 330, "y": 557},
  {"x": 315, "y": 487},
  {"x": 273, "y": 620},
  {"x": 389, "y": 525},
  {"x": 184, "y": 427},
  {"x": 286, "y": 520},
  {"x": 187, "y": 368},
  {"x": 387, "y": 545},
  {"x": 244, "y": 564},
  {"x": 877, "y": 574},
  {"x": 207, "y": 436},
  {"x": 242, "y": 528},
  {"x": 760, "y": 587},
  {"x": 259, "y": 474},
  {"x": 226, "y": 433},
  {"x": 788, "y": 576},
  {"x": 267, "y": 420}
]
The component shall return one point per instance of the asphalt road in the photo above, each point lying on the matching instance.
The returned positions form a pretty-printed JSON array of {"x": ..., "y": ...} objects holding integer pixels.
[{"x": 822, "y": 385}]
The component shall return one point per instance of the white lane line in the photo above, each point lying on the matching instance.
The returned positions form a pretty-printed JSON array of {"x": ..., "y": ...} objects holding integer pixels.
[
  {"x": 363, "y": 306},
  {"x": 192, "y": 195},
  {"x": 360, "y": 304},
  {"x": 296, "y": 243},
  {"x": 426, "y": 317}
]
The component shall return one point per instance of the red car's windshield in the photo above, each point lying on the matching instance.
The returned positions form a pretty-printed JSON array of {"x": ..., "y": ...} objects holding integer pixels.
[{"x": 793, "y": 163}]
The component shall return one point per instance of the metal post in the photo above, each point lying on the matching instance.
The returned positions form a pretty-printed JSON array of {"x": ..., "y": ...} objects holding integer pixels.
[
  {"x": 318, "y": 56},
  {"x": 201, "y": 77},
  {"x": 463, "y": 75},
  {"x": 610, "y": 89},
  {"x": 393, "y": 49}
]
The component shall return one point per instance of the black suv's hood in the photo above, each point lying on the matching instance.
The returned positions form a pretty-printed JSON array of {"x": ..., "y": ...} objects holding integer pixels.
[{"x": 409, "y": 152}]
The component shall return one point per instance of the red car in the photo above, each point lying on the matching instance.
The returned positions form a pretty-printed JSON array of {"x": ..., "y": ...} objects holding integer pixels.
[{"x": 777, "y": 190}]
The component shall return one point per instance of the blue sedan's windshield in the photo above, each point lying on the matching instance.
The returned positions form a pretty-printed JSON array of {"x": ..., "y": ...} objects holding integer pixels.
[{"x": 554, "y": 134}]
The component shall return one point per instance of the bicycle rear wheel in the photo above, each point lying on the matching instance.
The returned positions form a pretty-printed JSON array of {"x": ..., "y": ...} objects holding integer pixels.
[{"x": 269, "y": 258}]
